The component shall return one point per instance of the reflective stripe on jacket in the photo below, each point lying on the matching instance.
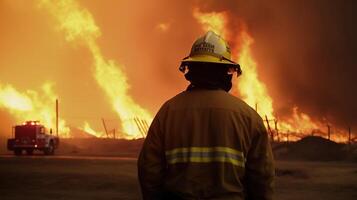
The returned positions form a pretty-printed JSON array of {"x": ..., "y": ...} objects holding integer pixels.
[
  {"x": 205, "y": 155},
  {"x": 206, "y": 144}
]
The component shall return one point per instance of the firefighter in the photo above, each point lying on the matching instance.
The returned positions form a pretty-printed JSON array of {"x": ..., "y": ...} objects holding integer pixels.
[{"x": 205, "y": 143}]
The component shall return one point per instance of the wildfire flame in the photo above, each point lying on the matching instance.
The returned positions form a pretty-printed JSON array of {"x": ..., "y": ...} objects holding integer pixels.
[
  {"x": 253, "y": 91},
  {"x": 300, "y": 122},
  {"x": 79, "y": 25},
  {"x": 30, "y": 105},
  {"x": 88, "y": 129}
]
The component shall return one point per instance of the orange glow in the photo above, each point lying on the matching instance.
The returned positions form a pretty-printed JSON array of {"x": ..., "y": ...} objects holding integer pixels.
[
  {"x": 86, "y": 128},
  {"x": 79, "y": 26},
  {"x": 163, "y": 27},
  {"x": 118, "y": 61},
  {"x": 32, "y": 105},
  {"x": 299, "y": 122},
  {"x": 214, "y": 21},
  {"x": 13, "y": 100}
]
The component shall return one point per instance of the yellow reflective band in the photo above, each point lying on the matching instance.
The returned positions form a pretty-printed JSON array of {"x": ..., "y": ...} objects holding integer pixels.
[
  {"x": 204, "y": 149},
  {"x": 206, "y": 160},
  {"x": 205, "y": 155}
]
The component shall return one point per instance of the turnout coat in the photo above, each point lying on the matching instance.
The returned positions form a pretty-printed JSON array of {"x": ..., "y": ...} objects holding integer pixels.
[{"x": 206, "y": 144}]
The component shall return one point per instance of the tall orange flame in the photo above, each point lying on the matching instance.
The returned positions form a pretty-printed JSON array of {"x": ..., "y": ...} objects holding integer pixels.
[
  {"x": 251, "y": 89},
  {"x": 79, "y": 25}
]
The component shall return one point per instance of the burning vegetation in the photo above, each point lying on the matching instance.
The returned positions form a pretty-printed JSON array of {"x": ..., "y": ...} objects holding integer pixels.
[{"x": 79, "y": 27}]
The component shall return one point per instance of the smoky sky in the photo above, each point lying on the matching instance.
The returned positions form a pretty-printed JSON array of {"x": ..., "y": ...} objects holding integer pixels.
[{"x": 306, "y": 51}]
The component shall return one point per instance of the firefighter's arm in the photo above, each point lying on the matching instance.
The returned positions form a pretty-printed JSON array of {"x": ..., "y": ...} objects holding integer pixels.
[
  {"x": 260, "y": 169},
  {"x": 151, "y": 163}
]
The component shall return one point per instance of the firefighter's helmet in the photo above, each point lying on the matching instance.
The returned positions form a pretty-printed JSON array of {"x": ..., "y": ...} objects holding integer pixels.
[{"x": 210, "y": 48}]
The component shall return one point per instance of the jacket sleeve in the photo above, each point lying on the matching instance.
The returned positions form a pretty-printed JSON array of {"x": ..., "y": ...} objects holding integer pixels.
[
  {"x": 260, "y": 171},
  {"x": 151, "y": 163}
]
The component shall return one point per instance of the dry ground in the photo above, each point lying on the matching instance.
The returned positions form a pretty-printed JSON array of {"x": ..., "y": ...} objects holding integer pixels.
[
  {"x": 87, "y": 178},
  {"x": 298, "y": 180}
]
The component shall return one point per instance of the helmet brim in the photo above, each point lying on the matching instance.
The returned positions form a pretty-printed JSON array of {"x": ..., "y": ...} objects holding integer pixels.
[{"x": 207, "y": 59}]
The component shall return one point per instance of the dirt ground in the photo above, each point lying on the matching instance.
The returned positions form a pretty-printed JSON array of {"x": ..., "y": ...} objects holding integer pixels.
[
  {"x": 66, "y": 177},
  {"x": 316, "y": 180}
]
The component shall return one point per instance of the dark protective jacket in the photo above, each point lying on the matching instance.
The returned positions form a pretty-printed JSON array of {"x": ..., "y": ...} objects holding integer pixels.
[{"x": 206, "y": 144}]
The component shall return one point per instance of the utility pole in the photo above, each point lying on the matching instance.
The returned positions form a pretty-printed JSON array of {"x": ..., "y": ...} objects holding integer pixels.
[
  {"x": 57, "y": 117},
  {"x": 349, "y": 136},
  {"x": 328, "y": 131}
]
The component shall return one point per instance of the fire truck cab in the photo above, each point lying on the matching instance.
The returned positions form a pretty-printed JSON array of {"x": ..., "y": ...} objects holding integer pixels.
[{"x": 31, "y": 136}]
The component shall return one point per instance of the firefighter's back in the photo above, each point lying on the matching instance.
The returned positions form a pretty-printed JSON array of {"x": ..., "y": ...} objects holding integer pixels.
[{"x": 207, "y": 135}]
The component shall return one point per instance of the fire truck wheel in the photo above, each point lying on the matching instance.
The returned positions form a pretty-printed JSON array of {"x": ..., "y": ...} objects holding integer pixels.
[
  {"x": 29, "y": 151},
  {"x": 18, "y": 152},
  {"x": 50, "y": 150}
]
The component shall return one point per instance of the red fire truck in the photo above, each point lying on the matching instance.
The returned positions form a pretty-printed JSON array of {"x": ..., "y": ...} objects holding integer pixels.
[{"x": 31, "y": 136}]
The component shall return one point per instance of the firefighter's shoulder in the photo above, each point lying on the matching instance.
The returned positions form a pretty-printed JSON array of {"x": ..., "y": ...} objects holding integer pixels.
[{"x": 209, "y": 99}]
